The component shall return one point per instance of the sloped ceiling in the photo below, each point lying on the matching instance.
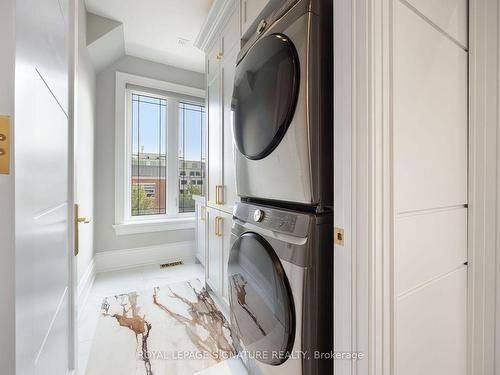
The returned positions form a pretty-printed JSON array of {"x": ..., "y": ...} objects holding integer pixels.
[
  {"x": 158, "y": 30},
  {"x": 105, "y": 41}
]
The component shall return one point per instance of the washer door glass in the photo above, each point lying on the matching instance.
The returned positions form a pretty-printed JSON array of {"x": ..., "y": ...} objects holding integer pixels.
[
  {"x": 265, "y": 95},
  {"x": 261, "y": 302}
]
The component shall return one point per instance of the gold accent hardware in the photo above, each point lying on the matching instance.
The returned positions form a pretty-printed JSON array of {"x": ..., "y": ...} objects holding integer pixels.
[
  {"x": 338, "y": 236},
  {"x": 220, "y": 56},
  {"x": 171, "y": 264},
  {"x": 219, "y": 194},
  {"x": 84, "y": 220},
  {"x": 218, "y": 222},
  {"x": 4, "y": 144}
]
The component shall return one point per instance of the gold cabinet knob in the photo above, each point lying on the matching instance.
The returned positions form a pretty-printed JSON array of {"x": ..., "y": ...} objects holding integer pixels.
[{"x": 220, "y": 56}]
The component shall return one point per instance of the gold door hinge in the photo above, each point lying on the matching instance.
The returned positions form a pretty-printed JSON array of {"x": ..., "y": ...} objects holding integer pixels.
[
  {"x": 338, "y": 236},
  {"x": 4, "y": 144}
]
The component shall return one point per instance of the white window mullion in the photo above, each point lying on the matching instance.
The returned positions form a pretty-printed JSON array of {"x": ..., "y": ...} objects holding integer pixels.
[{"x": 172, "y": 157}]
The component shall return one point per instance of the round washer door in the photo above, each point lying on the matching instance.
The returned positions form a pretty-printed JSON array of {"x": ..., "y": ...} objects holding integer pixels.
[
  {"x": 265, "y": 94},
  {"x": 261, "y": 301}
]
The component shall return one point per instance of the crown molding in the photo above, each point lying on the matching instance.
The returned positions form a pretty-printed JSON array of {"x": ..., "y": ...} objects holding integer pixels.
[{"x": 213, "y": 25}]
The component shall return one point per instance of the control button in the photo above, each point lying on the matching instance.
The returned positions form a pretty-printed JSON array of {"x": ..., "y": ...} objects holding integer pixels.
[{"x": 258, "y": 215}]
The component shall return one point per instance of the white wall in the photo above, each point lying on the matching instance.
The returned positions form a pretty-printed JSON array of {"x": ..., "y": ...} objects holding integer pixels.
[
  {"x": 7, "y": 264},
  {"x": 84, "y": 144},
  {"x": 105, "y": 237}
]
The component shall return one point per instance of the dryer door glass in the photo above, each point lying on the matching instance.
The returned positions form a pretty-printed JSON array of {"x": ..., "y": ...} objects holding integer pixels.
[
  {"x": 265, "y": 95},
  {"x": 261, "y": 301}
]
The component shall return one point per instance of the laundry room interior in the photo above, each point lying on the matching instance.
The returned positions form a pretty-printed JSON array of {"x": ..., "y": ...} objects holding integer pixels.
[
  {"x": 206, "y": 196},
  {"x": 254, "y": 187}
]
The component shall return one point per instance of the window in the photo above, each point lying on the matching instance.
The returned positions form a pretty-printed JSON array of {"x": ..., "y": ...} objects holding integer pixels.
[
  {"x": 149, "y": 128},
  {"x": 191, "y": 160},
  {"x": 159, "y": 136},
  {"x": 149, "y": 154}
]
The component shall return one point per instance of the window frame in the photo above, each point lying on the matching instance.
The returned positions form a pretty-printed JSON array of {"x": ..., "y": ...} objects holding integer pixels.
[{"x": 125, "y": 223}]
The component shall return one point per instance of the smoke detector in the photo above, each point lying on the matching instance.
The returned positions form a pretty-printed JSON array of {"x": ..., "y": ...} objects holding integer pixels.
[{"x": 182, "y": 41}]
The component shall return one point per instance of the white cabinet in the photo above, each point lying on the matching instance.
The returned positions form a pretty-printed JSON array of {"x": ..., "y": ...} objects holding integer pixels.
[
  {"x": 229, "y": 195},
  {"x": 250, "y": 10},
  {"x": 221, "y": 65},
  {"x": 201, "y": 230},
  {"x": 214, "y": 137},
  {"x": 219, "y": 246}
]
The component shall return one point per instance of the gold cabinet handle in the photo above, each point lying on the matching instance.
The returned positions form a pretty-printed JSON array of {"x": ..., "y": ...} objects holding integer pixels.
[
  {"x": 218, "y": 231},
  {"x": 83, "y": 220},
  {"x": 219, "y": 194},
  {"x": 220, "y": 56}
]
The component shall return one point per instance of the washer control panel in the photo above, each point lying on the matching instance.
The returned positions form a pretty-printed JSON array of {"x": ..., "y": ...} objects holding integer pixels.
[{"x": 277, "y": 220}]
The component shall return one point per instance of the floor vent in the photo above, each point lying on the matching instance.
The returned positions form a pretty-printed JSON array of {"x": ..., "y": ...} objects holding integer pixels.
[{"x": 171, "y": 264}]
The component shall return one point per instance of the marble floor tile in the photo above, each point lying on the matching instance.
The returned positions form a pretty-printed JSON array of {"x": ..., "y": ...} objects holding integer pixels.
[{"x": 139, "y": 279}]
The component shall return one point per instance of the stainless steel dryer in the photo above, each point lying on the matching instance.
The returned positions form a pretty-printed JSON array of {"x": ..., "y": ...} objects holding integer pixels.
[
  {"x": 283, "y": 107},
  {"x": 280, "y": 290}
]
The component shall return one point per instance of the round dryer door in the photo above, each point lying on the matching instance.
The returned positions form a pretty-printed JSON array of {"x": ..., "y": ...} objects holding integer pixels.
[
  {"x": 261, "y": 301},
  {"x": 265, "y": 95}
]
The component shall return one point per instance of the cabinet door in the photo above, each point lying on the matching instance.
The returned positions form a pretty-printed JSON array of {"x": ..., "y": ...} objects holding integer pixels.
[
  {"x": 250, "y": 10},
  {"x": 200, "y": 232},
  {"x": 228, "y": 170},
  {"x": 227, "y": 221},
  {"x": 214, "y": 141},
  {"x": 213, "y": 61},
  {"x": 213, "y": 269}
]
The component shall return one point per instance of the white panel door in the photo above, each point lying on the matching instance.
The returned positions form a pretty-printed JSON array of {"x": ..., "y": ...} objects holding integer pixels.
[
  {"x": 228, "y": 169},
  {"x": 214, "y": 141},
  {"x": 431, "y": 328},
  {"x": 226, "y": 225},
  {"x": 448, "y": 15},
  {"x": 430, "y": 116},
  {"x": 214, "y": 251},
  {"x": 43, "y": 188}
]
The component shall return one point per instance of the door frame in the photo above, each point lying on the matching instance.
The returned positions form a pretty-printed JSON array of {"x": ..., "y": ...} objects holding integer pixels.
[
  {"x": 72, "y": 111},
  {"x": 371, "y": 188}
]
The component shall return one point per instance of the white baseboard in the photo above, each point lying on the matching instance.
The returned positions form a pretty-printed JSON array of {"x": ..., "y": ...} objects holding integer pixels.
[
  {"x": 130, "y": 258},
  {"x": 85, "y": 284}
]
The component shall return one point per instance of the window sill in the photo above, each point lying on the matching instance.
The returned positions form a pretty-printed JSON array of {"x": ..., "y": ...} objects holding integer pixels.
[{"x": 154, "y": 226}]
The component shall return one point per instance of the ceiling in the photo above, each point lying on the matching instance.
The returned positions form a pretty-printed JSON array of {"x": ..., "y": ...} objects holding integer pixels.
[{"x": 159, "y": 30}]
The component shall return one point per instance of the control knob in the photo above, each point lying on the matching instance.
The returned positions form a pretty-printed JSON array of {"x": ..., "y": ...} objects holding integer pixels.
[{"x": 258, "y": 215}]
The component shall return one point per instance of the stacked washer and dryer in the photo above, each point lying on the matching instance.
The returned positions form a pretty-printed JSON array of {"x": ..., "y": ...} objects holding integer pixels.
[{"x": 281, "y": 262}]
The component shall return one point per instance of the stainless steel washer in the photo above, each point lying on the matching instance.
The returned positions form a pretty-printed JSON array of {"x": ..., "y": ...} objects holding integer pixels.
[{"x": 280, "y": 290}]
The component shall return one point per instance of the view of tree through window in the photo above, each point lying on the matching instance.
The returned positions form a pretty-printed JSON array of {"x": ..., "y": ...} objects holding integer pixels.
[
  {"x": 191, "y": 161},
  {"x": 149, "y": 155}
]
